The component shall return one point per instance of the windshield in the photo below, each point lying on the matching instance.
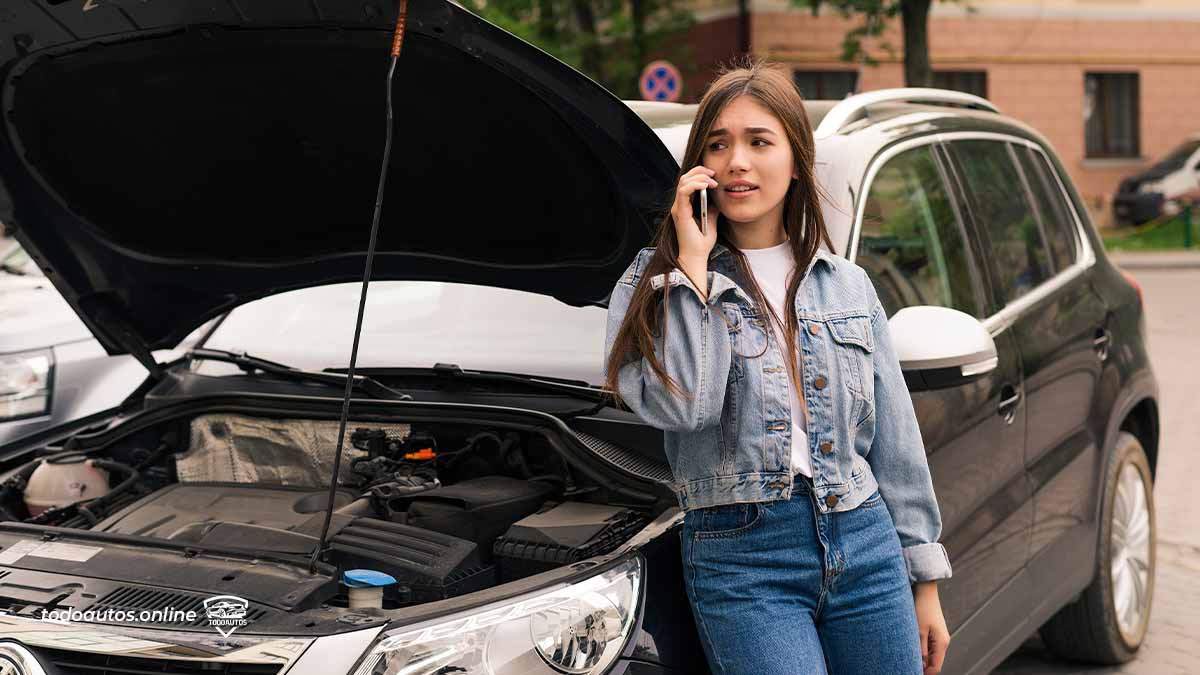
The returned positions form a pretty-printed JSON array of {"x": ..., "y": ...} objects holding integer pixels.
[
  {"x": 418, "y": 324},
  {"x": 1179, "y": 156}
]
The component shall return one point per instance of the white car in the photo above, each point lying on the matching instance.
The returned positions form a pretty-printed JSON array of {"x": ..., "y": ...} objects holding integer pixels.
[
  {"x": 53, "y": 371},
  {"x": 1163, "y": 188}
]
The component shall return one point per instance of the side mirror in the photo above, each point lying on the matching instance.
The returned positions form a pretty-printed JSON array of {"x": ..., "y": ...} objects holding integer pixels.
[{"x": 939, "y": 347}]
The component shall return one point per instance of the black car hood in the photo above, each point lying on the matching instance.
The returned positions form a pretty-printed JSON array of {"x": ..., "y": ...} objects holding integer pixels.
[{"x": 166, "y": 161}]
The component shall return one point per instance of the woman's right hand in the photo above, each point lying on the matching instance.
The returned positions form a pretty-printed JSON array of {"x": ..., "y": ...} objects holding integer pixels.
[{"x": 693, "y": 244}]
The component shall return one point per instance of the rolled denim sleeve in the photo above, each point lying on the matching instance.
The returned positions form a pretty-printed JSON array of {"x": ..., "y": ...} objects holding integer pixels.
[
  {"x": 697, "y": 356},
  {"x": 897, "y": 459}
]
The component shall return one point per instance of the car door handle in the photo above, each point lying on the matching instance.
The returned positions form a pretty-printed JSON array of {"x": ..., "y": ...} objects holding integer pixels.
[
  {"x": 1101, "y": 342},
  {"x": 1011, "y": 397}
]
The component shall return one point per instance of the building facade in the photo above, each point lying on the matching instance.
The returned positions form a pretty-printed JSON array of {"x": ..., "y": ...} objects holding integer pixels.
[{"x": 1109, "y": 82}]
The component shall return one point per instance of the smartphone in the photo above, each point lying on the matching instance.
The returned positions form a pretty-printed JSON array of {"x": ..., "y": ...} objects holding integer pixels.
[{"x": 701, "y": 197}]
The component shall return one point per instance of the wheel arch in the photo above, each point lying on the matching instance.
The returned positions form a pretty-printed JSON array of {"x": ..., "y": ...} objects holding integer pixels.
[{"x": 1142, "y": 421}]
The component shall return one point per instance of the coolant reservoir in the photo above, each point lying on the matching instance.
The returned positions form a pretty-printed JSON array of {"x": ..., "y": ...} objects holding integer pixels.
[{"x": 64, "y": 480}]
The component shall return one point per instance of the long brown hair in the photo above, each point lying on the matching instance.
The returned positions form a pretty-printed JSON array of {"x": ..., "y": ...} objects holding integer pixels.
[{"x": 771, "y": 86}]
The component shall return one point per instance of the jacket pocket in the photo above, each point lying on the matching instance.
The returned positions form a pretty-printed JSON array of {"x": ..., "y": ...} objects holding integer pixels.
[
  {"x": 854, "y": 344},
  {"x": 752, "y": 337}
]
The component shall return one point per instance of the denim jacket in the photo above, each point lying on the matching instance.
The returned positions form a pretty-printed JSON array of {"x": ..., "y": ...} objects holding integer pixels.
[{"x": 731, "y": 442}]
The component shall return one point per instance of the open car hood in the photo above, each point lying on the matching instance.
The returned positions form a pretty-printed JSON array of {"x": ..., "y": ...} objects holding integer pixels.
[{"x": 164, "y": 162}]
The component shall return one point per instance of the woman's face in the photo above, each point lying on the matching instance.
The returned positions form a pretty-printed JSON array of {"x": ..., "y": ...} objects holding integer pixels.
[{"x": 747, "y": 146}]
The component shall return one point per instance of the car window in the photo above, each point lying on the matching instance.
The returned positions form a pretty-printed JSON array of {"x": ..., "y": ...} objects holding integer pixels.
[
  {"x": 1057, "y": 224},
  {"x": 1019, "y": 254},
  {"x": 418, "y": 324},
  {"x": 912, "y": 243}
]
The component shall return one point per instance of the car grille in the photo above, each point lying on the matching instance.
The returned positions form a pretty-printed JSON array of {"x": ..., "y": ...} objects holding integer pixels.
[{"x": 68, "y": 662}]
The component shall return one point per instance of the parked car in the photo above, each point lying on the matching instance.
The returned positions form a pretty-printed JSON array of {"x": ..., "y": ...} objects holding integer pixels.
[
  {"x": 515, "y": 521},
  {"x": 52, "y": 370},
  {"x": 1161, "y": 189}
]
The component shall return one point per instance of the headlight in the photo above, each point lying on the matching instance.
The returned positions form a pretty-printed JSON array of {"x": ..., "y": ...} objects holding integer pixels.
[
  {"x": 1148, "y": 187},
  {"x": 577, "y": 629},
  {"x": 25, "y": 384}
]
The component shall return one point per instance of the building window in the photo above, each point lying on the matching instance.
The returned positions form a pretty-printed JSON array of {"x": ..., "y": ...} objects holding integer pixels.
[
  {"x": 968, "y": 81},
  {"x": 1110, "y": 108},
  {"x": 826, "y": 84}
]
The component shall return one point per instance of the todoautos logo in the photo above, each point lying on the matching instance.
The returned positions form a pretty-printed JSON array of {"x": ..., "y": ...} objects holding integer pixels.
[{"x": 226, "y": 613}]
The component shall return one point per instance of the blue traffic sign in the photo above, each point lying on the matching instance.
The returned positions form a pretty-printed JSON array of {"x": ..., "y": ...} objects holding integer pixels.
[{"x": 660, "y": 81}]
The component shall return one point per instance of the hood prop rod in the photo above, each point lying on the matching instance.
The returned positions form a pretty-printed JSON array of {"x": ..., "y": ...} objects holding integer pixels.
[{"x": 397, "y": 39}]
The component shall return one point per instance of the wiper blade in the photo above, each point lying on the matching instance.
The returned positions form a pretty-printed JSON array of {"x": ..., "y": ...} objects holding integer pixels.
[
  {"x": 250, "y": 364},
  {"x": 556, "y": 385}
]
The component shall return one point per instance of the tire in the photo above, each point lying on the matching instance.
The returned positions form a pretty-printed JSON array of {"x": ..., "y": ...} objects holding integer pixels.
[{"x": 1089, "y": 629}]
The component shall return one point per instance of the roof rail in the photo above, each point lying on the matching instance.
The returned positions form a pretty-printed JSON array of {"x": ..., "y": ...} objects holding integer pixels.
[{"x": 851, "y": 108}]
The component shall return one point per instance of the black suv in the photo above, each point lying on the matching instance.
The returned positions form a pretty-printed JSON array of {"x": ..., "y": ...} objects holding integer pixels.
[
  {"x": 1044, "y": 468},
  {"x": 166, "y": 162}
]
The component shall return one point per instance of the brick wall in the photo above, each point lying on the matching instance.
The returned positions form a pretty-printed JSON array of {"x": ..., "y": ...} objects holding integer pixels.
[{"x": 1035, "y": 66}]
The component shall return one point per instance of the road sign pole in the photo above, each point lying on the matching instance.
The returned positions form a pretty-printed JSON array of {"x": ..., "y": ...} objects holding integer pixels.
[{"x": 1187, "y": 224}]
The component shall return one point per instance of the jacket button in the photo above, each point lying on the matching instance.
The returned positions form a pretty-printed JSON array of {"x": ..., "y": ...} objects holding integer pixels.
[
  {"x": 827, "y": 447},
  {"x": 819, "y": 383},
  {"x": 831, "y": 500},
  {"x": 814, "y": 328}
]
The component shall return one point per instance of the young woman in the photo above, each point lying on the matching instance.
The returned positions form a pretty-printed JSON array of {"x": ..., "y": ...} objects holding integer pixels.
[{"x": 810, "y": 528}]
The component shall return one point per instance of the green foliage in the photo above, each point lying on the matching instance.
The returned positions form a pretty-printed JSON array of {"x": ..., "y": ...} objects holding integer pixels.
[
  {"x": 603, "y": 39},
  {"x": 1164, "y": 234}
]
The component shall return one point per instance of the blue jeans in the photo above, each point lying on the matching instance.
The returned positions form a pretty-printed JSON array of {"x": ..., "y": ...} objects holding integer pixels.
[{"x": 778, "y": 588}]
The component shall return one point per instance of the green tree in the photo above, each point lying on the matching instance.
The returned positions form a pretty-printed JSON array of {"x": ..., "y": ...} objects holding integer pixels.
[
  {"x": 876, "y": 14},
  {"x": 610, "y": 41}
]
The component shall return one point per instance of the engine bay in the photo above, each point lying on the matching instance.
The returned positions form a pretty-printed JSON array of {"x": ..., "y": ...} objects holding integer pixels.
[{"x": 442, "y": 509}]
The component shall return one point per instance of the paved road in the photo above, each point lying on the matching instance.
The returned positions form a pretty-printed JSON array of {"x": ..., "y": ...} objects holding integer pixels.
[{"x": 1173, "y": 324}]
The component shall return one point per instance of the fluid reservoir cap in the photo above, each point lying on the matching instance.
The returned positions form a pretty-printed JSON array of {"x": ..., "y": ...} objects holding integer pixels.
[{"x": 366, "y": 579}]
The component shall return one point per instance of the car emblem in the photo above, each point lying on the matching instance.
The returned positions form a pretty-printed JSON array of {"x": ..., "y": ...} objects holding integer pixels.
[{"x": 226, "y": 613}]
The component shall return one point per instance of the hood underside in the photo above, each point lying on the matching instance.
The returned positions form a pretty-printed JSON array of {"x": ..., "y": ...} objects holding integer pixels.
[{"x": 164, "y": 163}]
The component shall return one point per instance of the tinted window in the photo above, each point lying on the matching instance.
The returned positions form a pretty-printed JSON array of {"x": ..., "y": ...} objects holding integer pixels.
[
  {"x": 1019, "y": 255},
  {"x": 912, "y": 243},
  {"x": 1057, "y": 224}
]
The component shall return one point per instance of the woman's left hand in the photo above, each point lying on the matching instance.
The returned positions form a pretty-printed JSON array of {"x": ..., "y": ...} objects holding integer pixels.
[{"x": 934, "y": 636}]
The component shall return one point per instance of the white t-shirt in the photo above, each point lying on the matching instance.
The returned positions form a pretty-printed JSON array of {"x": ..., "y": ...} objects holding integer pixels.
[{"x": 771, "y": 267}]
